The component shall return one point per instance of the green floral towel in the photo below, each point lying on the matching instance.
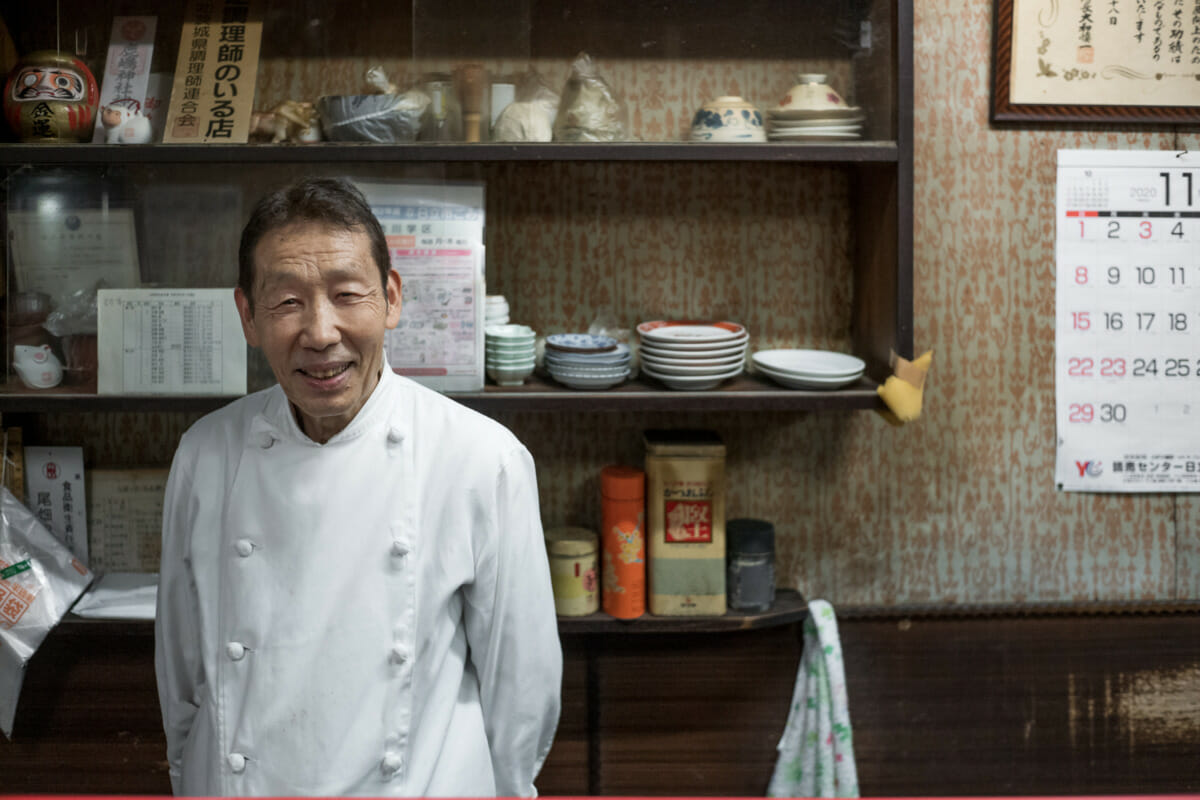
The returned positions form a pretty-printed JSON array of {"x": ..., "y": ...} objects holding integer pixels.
[{"x": 816, "y": 753}]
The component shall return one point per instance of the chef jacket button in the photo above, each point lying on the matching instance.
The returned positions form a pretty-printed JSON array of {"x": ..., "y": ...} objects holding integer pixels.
[
  {"x": 265, "y": 441},
  {"x": 399, "y": 548},
  {"x": 391, "y": 764},
  {"x": 237, "y": 762},
  {"x": 235, "y": 651},
  {"x": 244, "y": 547},
  {"x": 398, "y": 655},
  {"x": 395, "y": 436}
]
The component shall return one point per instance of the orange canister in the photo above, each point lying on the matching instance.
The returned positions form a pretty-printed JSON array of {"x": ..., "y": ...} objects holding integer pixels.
[{"x": 623, "y": 541}]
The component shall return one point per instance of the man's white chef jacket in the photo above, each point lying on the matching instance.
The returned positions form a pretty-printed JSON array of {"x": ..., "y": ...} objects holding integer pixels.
[{"x": 370, "y": 616}]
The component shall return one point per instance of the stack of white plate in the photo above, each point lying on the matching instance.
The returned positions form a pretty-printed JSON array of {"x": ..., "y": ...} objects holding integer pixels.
[
  {"x": 496, "y": 310},
  {"x": 510, "y": 353},
  {"x": 585, "y": 361},
  {"x": 827, "y": 124},
  {"x": 691, "y": 355},
  {"x": 809, "y": 369}
]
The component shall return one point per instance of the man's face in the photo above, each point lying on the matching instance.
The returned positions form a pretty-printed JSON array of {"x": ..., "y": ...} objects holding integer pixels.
[{"x": 319, "y": 317}]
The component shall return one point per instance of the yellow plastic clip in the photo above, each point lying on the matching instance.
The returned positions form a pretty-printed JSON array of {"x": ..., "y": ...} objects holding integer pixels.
[{"x": 904, "y": 390}]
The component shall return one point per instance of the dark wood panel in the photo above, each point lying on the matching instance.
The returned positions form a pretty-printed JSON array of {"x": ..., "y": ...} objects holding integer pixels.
[
  {"x": 1043, "y": 705},
  {"x": 88, "y": 718},
  {"x": 693, "y": 715},
  {"x": 980, "y": 705},
  {"x": 566, "y": 769}
]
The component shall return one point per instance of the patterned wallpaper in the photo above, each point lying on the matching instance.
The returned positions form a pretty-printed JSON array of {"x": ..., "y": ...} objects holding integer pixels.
[{"x": 959, "y": 507}]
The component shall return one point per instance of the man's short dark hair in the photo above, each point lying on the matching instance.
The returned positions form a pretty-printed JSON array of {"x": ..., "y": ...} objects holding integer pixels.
[{"x": 335, "y": 202}]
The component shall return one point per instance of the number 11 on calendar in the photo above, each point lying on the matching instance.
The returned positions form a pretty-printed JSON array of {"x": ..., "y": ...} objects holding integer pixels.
[{"x": 1127, "y": 321}]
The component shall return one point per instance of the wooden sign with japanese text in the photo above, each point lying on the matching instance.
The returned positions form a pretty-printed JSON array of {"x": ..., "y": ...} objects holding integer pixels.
[
  {"x": 213, "y": 93},
  {"x": 1127, "y": 376}
]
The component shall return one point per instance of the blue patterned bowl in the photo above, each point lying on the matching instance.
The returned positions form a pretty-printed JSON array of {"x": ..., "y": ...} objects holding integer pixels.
[{"x": 728, "y": 119}]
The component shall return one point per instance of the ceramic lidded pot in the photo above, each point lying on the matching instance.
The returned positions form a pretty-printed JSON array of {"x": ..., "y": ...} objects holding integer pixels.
[
  {"x": 51, "y": 97},
  {"x": 811, "y": 93},
  {"x": 728, "y": 119}
]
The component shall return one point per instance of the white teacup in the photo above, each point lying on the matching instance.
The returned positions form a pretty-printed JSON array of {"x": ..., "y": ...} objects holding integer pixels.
[{"x": 811, "y": 93}]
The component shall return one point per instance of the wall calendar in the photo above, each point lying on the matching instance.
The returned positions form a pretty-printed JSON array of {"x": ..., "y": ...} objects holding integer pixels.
[{"x": 1127, "y": 372}]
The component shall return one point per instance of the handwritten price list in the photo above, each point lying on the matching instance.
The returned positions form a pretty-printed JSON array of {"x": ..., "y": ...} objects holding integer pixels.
[{"x": 1128, "y": 321}]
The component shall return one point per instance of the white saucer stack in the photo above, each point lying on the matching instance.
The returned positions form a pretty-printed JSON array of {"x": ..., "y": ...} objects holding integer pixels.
[
  {"x": 809, "y": 369},
  {"x": 826, "y": 124},
  {"x": 585, "y": 361},
  {"x": 692, "y": 356},
  {"x": 496, "y": 311}
]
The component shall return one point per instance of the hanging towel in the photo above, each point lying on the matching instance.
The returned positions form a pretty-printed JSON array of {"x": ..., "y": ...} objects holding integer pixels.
[{"x": 816, "y": 752}]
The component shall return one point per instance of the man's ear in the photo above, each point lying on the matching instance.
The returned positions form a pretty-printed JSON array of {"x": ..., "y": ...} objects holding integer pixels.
[
  {"x": 246, "y": 314},
  {"x": 392, "y": 293}
]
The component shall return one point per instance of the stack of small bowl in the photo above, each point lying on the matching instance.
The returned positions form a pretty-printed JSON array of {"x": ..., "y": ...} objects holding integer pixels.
[
  {"x": 691, "y": 355},
  {"x": 584, "y": 361},
  {"x": 496, "y": 311},
  {"x": 510, "y": 353}
]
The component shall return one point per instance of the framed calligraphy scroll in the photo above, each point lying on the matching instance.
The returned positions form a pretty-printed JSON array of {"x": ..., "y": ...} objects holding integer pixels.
[{"x": 1096, "y": 61}]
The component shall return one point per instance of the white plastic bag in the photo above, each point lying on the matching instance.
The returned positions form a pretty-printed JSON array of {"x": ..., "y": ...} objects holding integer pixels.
[{"x": 39, "y": 581}]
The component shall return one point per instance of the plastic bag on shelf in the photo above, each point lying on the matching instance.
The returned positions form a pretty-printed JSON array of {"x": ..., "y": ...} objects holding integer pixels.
[
  {"x": 589, "y": 111},
  {"x": 530, "y": 117},
  {"x": 39, "y": 582}
]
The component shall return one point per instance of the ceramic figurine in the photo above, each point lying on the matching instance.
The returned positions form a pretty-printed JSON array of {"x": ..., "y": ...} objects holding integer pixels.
[
  {"x": 377, "y": 81},
  {"x": 51, "y": 97},
  {"x": 290, "y": 121},
  {"x": 124, "y": 123},
  {"x": 38, "y": 367}
]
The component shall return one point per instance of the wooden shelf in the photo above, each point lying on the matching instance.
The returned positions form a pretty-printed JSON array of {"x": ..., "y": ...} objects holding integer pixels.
[
  {"x": 744, "y": 393},
  {"x": 789, "y": 608},
  {"x": 332, "y": 152}
]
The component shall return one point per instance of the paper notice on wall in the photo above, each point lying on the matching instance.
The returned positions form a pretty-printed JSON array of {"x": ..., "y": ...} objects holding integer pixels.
[
  {"x": 55, "y": 493},
  {"x": 435, "y": 239},
  {"x": 125, "y": 519},
  {"x": 1127, "y": 376},
  {"x": 170, "y": 341}
]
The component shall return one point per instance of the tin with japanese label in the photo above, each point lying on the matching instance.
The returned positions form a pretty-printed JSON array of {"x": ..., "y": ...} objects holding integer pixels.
[
  {"x": 685, "y": 522},
  {"x": 572, "y": 555}
]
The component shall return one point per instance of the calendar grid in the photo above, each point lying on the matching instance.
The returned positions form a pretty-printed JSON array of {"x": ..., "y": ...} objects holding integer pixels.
[{"x": 1127, "y": 322}]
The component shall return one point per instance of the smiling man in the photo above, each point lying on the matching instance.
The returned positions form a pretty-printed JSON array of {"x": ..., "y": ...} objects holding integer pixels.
[{"x": 354, "y": 597}]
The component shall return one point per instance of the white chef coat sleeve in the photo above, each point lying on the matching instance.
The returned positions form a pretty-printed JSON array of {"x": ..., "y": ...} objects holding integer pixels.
[
  {"x": 177, "y": 658},
  {"x": 513, "y": 631}
]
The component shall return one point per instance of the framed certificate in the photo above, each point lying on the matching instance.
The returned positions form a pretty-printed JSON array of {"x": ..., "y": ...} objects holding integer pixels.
[{"x": 1096, "y": 60}]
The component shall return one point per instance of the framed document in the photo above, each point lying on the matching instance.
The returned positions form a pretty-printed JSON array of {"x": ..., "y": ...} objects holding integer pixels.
[{"x": 1097, "y": 61}]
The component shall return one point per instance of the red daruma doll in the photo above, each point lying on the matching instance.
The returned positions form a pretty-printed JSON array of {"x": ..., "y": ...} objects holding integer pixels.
[{"x": 51, "y": 97}]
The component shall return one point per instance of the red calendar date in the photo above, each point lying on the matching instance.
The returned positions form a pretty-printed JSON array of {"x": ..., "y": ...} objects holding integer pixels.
[
  {"x": 1101, "y": 412},
  {"x": 1089, "y": 367}
]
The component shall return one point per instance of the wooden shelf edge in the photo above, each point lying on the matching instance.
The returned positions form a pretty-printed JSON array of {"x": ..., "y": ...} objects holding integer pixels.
[
  {"x": 331, "y": 152},
  {"x": 789, "y": 607},
  {"x": 744, "y": 393}
]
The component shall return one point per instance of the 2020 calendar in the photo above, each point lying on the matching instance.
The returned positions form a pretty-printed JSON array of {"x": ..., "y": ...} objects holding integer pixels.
[{"x": 1127, "y": 372}]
